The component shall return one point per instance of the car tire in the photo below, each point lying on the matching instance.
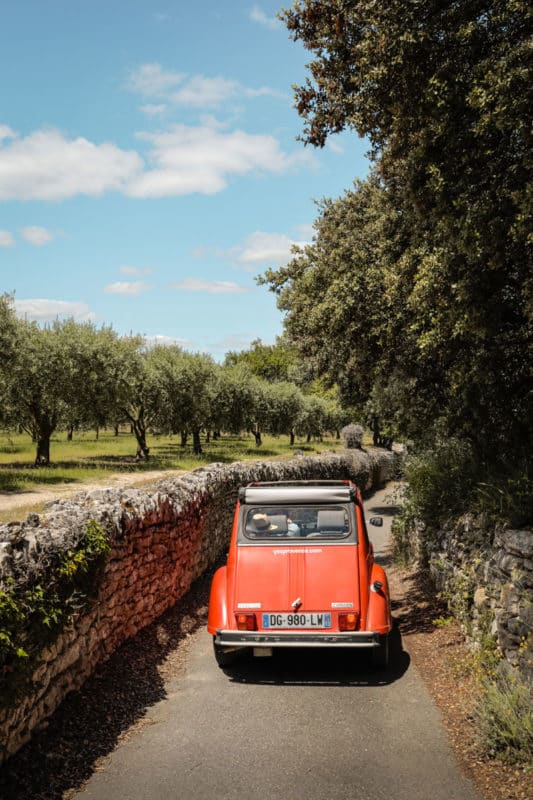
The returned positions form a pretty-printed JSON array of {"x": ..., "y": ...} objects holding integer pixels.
[
  {"x": 223, "y": 658},
  {"x": 380, "y": 654}
]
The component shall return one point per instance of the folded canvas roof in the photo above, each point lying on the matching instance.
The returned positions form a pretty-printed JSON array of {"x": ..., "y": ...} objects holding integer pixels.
[{"x": 290, "y": 492}]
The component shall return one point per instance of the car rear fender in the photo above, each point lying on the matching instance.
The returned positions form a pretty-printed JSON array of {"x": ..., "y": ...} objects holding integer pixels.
[
  {"x": 218, "y": 602},
  {"x": 379, "y": 615}
]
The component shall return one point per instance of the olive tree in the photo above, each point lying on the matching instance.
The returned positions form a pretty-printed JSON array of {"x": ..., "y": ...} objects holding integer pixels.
[
  {"x": 64, "y": 371},
  {"x": 236, "y": 399},
  {"x": 314, "y": 419},
  {"x": 286, "y": 407}
]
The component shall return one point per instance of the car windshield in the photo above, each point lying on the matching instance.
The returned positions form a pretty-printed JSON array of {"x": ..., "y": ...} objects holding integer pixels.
[{"x": 302, "y": 522}]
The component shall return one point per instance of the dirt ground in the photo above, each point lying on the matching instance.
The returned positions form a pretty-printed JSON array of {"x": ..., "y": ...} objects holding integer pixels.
[
  {"x": 17, "y": 504},
  {"x": 439, "y": 653}
]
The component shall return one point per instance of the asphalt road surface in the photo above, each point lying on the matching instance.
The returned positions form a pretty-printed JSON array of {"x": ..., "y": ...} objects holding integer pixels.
[{"x": 303, "y": 725}]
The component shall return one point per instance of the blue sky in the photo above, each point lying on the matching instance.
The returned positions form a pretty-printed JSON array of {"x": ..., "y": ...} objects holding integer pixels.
[{"x": 149, "y": 167}]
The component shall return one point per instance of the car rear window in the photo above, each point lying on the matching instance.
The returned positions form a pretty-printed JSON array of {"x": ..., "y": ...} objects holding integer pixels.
[{"x": 297, "y": 522}]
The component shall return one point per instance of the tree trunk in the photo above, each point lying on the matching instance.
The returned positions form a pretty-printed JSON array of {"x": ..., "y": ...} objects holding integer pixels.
[
  {"x": 43, "y": 427},
  {"x": 115, "y": 429},
  {"x": 216, "y": 435},
  {"x": 258, "y": 440},
  {"x": 70, "y": 433},
  {"x": 97, "y": 432},
  {"x": 374, "y": 427},
  {"x": 197, "y": 446},
  {"x": 143, "y": 452},
  {"x": 292, "y": 438},
  {"x": 42, "y": 458},
  {"x": 308, "y": 438},
  {"x": 208, "y": 437},
  {"x": 184, "y": 437}
]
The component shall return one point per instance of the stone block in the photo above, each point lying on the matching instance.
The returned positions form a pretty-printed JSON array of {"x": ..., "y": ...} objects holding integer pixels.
[{"x": 517, "y": 542}]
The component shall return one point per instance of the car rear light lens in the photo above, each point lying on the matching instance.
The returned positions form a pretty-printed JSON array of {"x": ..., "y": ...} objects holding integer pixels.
[
  {"x": 348, "y": 622},
  {"x": 246, "y": 622}
]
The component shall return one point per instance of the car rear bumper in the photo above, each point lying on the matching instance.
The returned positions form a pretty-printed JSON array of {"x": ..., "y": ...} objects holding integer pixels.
[{"x": 237, "y": 639}]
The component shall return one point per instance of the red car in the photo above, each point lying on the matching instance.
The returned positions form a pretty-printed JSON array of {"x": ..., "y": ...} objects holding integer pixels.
[{"x": 300, "y": 573}]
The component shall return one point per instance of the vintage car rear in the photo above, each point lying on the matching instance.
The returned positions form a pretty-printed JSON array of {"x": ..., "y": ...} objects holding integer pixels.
[{"x": 300, "y": 573}]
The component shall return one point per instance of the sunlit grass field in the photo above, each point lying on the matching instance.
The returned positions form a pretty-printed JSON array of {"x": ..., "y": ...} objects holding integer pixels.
[{"x": 87, "y": 458}]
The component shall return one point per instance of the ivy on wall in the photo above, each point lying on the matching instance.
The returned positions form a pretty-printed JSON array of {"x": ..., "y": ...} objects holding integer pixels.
[{"x": 32, "y": 616}]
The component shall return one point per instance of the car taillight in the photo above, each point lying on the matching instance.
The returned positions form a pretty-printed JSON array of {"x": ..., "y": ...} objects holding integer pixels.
[
  {"x": 246, "y": 622},
  {"x": 348, "y": 622}
]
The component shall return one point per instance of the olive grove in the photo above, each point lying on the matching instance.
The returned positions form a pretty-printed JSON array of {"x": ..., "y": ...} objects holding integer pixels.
[{"x": 75, "y": 376}]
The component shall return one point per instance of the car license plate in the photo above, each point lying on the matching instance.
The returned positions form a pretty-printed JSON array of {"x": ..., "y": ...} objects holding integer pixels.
[{"x": 317, "y": 619}]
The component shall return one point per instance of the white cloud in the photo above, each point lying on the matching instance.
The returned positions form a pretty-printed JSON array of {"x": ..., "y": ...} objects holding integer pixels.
[
  {"x": 336, "y": 147},
  {"x": 202, "y": 251},
  {"x": 6, "y": 239},
  {"x": 36, "y": 235},
  {"x": 262, "y": 248},
  {"x": 196, "y": 91},
  {"x": 306, "y": 231},
  {"x": 136, "y": 270},
  {"x": 258, "y": 15},
  {"x": 232, "y": 342},
  {"x": 201, "y": 159},
  {"x": 167, "y": 341},
  {"x": 6, "y": 133},
  {"x": 211, "y": 287},
  {"x": 152, "y": 110},
  {"x": 204, "y": 92},
  {"x": 47, "y": 166},
  {"x": 264, "y": 91},
  {"x": 129, "y": 288},
  {"x": 183, "y": 160},
  {"x": 152, "y": 80},
  {"x": 39, "y": 310}
]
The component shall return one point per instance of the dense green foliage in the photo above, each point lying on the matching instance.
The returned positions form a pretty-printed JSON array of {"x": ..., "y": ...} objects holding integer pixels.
[
  {"x": 273, "y": 362},
  {"x": 416, "y": 294}
]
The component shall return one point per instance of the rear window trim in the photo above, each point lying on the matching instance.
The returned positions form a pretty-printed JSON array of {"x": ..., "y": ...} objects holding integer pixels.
[{"x": 283, "y": 541}]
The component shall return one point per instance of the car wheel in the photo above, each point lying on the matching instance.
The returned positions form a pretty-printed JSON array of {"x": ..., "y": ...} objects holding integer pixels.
[
  {"x": 223, "y": 658},
  {"x": 380, "y": 655}
]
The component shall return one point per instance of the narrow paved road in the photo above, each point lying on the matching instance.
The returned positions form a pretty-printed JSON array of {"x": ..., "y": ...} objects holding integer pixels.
[{"x": 302, "y": 726}]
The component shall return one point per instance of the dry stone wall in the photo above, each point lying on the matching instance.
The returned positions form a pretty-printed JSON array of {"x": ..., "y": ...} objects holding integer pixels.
[
  {"x": 161, "y": 541},
  {"x": 487, "y": 583}
]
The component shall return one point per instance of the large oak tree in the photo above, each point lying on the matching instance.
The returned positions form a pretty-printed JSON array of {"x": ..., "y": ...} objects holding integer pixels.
[{"x": 417, "y": 291}]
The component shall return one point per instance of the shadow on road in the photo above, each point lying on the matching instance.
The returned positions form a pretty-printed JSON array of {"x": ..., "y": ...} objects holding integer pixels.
[
  {"x": 382, "y": 511},
  {"x": 419, "y": 605},
  {"x": 321, "y": 667}
]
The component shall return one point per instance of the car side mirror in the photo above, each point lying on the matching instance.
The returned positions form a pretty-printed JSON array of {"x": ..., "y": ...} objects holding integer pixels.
[{"x": 377, "y": 521}]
